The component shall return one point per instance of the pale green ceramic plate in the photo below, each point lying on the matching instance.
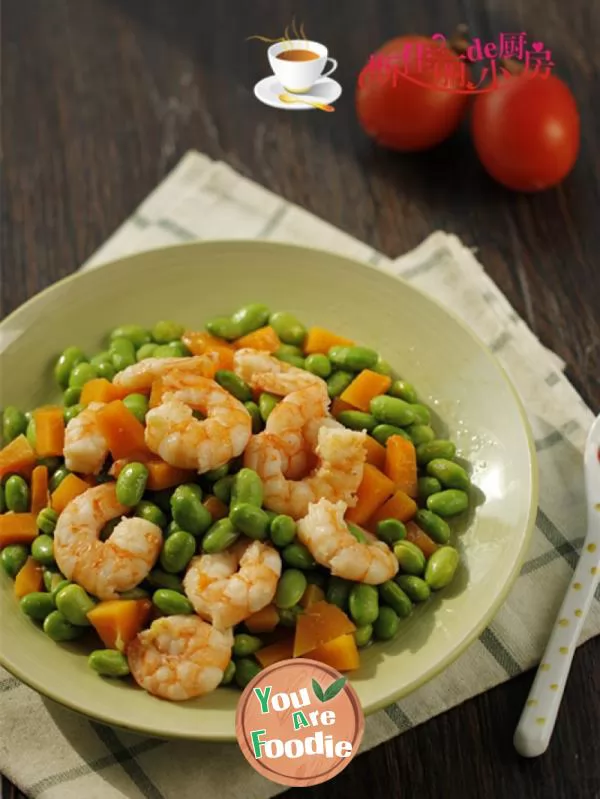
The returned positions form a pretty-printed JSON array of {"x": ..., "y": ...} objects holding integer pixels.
[{"x": 476, "y": 405}]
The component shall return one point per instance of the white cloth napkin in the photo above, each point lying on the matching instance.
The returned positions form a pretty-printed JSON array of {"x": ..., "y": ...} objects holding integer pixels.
[{"x": 52, "y": 753}]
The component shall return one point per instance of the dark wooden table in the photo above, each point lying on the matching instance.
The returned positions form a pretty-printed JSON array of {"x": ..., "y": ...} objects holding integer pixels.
[{"x": 102, "y": 97}]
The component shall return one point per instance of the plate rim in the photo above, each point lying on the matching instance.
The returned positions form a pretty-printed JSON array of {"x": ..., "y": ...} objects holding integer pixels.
[{"x": 460, "y": 646}]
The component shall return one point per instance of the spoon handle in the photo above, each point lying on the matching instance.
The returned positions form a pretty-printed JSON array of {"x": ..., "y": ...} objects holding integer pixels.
[{"x": 537, "y": 721}]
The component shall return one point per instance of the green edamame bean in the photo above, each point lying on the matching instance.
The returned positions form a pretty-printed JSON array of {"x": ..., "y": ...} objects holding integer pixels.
[
  {"x": 441, "y": 568},
  {"x": 131, "y": 484},
  {"x": 391, "y": 531},
  {"x": 247, "y": 487},
  {"x": 177, "y": 551},
  {"x": 228, "y": 674},
  {"x": 164, "y": 332},
  {"x": 42, "y": 550},
  {"x": 122, "y": 353},
  {"x": 318, "y": 364},
  {"x": 387, "y": 624},
  {"x": 14, "y": 423},
  {"x": 355, "y": 359},
  {"x": 223, "y": 487},
  {"x": 289, "y": 616},
  {"x": 289, "y": 329},
  {"x": 16, "y": 494},
  {"x": 72, "y": 412},
  {"x": 410, "y": 557},
  {"x": 338, "y": 591},
  {"x": 382, "y": 367},
  {"x": 234, "y": 384},
  {"x": 403, "y": 390},
  {"x": 81, "y": 374},
  {"x": 177, "y": 349},
  {"x": 59, "y": 629},
  {"x": 101, "y": 357},
  {"x": 422, "y": 413},
  {"x": 363, "y": 635},
  {"x": 37, "y": 605},
  {"x": 137, "y": 404},
  {"x": 357, "y": 532},
  {"x": 434, "y": 526},
  {"x": 213, "y": 475},
  {"x": 160, "y": 579},
  {"x": 450, "y": 474},
  {"x": 251, "y": 317},
  {"x": 71, "y": 397},
  {"x": 244, "y": 645},
  {"x": 163, "y": 500},
  {"x": 414, "y": 587},
  {"x": 250, "y": 520},
  {"x": 30, "y": 433},
  {"x": 363, "y": 603},
  {"x": 48, "y": 575},
  {"x": 282, "y": 530},
  {"x": 224, "y": 327},
  {"x": 2, "y": 499},
  {"x": 292, "y": 584},
  {"x": 431, "y": 450},
  {"x": 298, "y": 556},
  {"x": 57, "y": 584},
  {"x": 288, "y": 357},
  {"x": 266, "y": 403},
  {"x": 245, "y": 671},
  {"x": 394, "y": 597},
  {"x": 13, "y": 558},
  {"x": 137, "y": 334},
  {"x": 109, "y": 663},
  {"x": 57, "y": 478},
  {"x": 151, "y": 513},
  {"x": 382, "y": 432},
  {"x": 220, "y": 536},
  {"x": 162, "y": 351},
  {"x": 288, "y": 349},
  {"x": 188, "y": 511},
  {"x": 145, "y": 351},
  {"x": 106, "y": 370},
  {"x": 64, "y": 365},
  {"x": 450, "y": 502},
  {"x": 357, "y": 420},
  {"x": 317, "y": 578},
  {"x": 254, "y": 411},
  {"x": 390, "y": 410},
  {"x": 428, "y": 486},
  {"x": 420, "y": 433},
  {"x": 338, "y": 382},
  {"x": 74, "y": 603},
  {"x": 172, "y": 603},
  {"x": 46, "y": 520}
]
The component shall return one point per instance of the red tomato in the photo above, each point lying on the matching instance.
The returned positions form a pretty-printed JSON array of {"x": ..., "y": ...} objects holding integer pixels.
[
  {"x": 526, "y": 132},
  {"x": 400, "y": 112}
]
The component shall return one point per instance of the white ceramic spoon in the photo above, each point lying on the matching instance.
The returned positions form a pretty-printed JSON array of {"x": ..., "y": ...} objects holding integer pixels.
[{"x": 537, "y": 721}]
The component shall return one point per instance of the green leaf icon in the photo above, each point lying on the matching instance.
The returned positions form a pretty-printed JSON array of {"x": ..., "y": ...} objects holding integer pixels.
[
  {"x": 318, "y": 691},
  {"x": 334, "y": 689}
]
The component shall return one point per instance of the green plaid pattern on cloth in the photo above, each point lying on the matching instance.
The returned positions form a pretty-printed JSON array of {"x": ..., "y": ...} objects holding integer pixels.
[{"x": 51, "y": 753}]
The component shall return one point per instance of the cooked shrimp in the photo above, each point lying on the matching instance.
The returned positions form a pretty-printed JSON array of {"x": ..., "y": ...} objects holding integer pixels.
[
  {"x": 267, "y": 373},
  {"x": 85, "y": 448},
  {"x": 296, "y": 420},
  {"x": 179, "y": 657},
  {"x": 337, "y": 475},
  {"x": 104, "y": 568},
  {"x": 140, "y": 376},
  {"x": 180, "y": 439},
  {"x": 325, "y": 534},
  {"x": 230, "y": 586}
]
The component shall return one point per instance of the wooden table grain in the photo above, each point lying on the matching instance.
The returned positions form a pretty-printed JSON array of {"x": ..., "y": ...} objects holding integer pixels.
[{"x": 102, "y": 97}]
